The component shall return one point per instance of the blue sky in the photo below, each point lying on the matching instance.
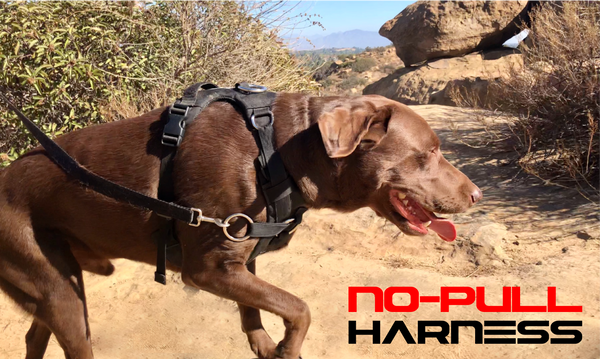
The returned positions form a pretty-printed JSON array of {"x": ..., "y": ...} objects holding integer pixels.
[{"x": 339, "y": 16}]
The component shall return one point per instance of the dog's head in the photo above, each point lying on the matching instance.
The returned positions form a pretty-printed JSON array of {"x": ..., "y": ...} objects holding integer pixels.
[{"x": 388, "y": 158}]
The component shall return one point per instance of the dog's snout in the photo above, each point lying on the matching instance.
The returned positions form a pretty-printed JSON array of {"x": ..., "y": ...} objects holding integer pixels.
[{"x": 476, "y": 195}]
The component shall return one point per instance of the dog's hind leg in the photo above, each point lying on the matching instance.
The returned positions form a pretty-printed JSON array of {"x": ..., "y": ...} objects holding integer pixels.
[
  {"x": 38, "y": 270},
  {"x": 38, "y": 335},
  {"x": 37, "y": 340}
]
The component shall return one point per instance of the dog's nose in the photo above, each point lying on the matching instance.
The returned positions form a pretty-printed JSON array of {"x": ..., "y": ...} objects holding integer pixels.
[{"x": 476, "y": 196}]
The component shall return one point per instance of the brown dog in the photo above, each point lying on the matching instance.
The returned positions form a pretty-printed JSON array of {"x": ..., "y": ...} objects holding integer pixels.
[{"x": 344, "y": 153}]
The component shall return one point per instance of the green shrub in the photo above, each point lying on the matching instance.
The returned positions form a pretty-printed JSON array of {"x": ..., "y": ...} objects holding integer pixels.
[
  {"x": 363, "y": 64},
  {"x": 343, "y": 57},
  {"x": 71, "y": 64},
  {"x": 352, "y": 82}
]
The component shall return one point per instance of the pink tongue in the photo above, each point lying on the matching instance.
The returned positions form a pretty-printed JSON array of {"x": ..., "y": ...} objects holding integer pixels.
[{"x": 444, "y": 228}]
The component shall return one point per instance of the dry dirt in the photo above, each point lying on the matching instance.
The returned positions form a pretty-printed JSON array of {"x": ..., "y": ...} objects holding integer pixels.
[{"x": 540, "y": 236}]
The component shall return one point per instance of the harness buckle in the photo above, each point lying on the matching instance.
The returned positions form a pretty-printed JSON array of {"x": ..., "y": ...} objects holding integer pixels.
[{"x": 175, "y": 127}]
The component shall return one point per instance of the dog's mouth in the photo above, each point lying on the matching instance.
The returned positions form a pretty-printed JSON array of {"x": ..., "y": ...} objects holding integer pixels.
[{"x": 420, "y": 219}]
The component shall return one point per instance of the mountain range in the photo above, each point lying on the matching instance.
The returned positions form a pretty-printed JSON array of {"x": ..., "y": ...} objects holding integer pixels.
[{"x": 352, "y": 38}]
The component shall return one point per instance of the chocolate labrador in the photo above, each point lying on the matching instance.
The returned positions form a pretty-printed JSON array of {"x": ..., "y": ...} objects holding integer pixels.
[{"x": 344, "y": 153}]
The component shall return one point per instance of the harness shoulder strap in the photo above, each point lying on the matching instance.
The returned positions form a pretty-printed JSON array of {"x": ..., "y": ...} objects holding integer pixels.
[{"x": 180, "y": 115}]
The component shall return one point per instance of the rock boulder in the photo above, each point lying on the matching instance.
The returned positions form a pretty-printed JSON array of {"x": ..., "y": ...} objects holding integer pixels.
[
  {"x": 432, "y": 29},
  {"x": 429, "y": 83}
]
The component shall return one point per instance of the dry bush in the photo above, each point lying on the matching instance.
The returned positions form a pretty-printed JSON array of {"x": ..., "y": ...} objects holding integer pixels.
[
  {"x": 556, "y": 95},
  {"x": 70, "y": 64},
  {"x": 473, "y": 93},
  {"x": 352, "y": 81},
  {"x": 363, "y": 64}
]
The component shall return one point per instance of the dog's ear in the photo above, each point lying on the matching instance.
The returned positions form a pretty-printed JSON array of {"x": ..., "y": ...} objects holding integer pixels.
[{"x": 343, "y": 129}]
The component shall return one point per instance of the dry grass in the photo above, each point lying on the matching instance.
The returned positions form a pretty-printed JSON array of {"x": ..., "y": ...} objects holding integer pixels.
[
  {"x": 71, "y": 64},
  {"x": 555, "y": 95}
]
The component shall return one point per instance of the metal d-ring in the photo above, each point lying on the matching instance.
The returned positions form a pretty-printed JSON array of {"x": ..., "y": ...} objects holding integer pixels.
[
  {"x": 251, "y": 88},
  {"x": 226, "y": 222},
  {"x": 253, "y": 121}
]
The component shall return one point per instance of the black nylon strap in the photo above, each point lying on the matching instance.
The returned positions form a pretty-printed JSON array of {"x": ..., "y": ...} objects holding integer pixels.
[
  {"x": 162, "y": 237},
  {"x": 265, "y": 245},
  {"x": 175, "y": 129},
  {"x": 266, "y": 230},
  {"x": 277, "y": 187},
  {"x": 280, "y": 190},
  {"x": 190, "y": 94}
]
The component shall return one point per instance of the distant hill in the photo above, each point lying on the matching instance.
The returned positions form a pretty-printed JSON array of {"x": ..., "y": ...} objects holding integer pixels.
[{"x": 347, "y": 39}]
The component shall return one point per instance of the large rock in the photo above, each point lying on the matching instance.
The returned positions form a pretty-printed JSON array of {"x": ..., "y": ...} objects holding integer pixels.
[
  {"x": 431, "y": 29},
  {"x": 429, "y": 83}
]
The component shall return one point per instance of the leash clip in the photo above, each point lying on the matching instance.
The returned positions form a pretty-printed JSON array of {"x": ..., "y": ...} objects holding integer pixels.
[{"x": 197, "y": 219}]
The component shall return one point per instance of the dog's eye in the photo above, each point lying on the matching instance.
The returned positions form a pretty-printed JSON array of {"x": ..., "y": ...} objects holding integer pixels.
[{"x": 367, "y": 144}]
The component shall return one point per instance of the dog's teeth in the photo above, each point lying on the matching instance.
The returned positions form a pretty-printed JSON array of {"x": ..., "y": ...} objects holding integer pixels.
[
  {"x": 405, "y": 202},
  {"x": 426, "y": 224},
  {"x": 401, "y": 195}
]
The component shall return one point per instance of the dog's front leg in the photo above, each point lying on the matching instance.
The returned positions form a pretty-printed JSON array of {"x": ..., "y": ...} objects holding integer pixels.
[
  {"x": 260, "y": 341},
  {"x": 234, "y": 281}
]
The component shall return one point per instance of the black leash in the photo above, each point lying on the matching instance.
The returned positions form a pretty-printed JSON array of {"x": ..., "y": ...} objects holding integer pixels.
[
  {"x": 101, "y": 185},
  {"x": 285, "y": 205}
]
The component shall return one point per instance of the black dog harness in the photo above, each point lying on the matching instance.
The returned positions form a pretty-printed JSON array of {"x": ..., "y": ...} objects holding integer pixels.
[{"x": 285, "y": 205}]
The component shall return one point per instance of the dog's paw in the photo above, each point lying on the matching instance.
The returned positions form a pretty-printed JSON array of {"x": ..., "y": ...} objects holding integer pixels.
[
  {"x": 280, "y": 353},
  {"x": 262, "y": 345}
]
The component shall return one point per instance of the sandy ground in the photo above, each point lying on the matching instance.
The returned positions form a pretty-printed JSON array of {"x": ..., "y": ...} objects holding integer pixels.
[{"x": 548, "y": 237}]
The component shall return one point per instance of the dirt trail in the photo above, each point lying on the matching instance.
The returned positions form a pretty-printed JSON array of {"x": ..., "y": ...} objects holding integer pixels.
[{"x": 535, "y": 236}]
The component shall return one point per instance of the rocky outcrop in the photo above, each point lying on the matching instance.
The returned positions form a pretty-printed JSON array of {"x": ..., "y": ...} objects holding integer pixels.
[
  {"x": 431, "y": 29},
  {"x": 428, "y": 83}
]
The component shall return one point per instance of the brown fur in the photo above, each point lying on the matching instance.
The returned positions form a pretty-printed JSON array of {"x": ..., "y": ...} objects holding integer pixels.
[{"x": 344, "y": 153}]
